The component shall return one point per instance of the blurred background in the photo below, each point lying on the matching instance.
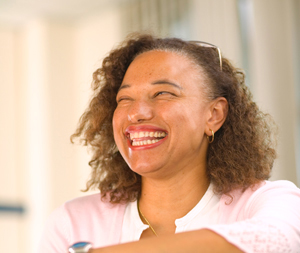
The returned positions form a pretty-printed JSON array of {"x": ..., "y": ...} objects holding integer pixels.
[{"x": 49, "y": 50}]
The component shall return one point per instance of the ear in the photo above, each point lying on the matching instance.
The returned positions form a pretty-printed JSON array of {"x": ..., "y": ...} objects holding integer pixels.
[{"x": 218, "y": 111}]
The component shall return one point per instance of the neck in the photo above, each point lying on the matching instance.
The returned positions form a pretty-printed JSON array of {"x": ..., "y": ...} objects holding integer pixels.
[{"x": 164, "y": 201}]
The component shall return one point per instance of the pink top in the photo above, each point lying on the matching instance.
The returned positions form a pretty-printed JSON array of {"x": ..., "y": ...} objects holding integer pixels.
[{"x": 261, "y": 219}]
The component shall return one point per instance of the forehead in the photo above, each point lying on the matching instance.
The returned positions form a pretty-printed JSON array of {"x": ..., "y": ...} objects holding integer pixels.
[
  {"x": 155, "y": 64},
  {"x": 169, "y": 60}
]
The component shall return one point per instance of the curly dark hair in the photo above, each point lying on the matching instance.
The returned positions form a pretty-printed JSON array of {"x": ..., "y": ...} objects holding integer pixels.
[{"x": 243, "y": 150}]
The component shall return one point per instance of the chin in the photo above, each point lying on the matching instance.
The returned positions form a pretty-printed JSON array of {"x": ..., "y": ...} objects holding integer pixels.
[{"x": 143, "y": 169}]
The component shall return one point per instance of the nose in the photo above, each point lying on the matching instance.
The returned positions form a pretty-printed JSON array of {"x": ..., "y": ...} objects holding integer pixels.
[{"x": 140, "y": 111}]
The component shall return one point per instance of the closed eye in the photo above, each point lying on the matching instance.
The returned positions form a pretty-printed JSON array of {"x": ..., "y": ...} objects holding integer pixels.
[
  {"x": 164, "y": 93},
  {"x": 123, "y": 98}
]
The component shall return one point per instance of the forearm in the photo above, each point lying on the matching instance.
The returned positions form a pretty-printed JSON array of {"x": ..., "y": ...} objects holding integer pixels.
[{"x": 195, "y": 241}]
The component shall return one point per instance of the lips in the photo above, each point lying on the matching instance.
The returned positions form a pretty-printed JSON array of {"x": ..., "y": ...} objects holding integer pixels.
[{"x": 145, "y": 136}]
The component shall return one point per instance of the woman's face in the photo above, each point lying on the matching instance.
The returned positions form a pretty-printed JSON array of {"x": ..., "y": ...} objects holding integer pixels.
[{"x": 161, "y": 117}]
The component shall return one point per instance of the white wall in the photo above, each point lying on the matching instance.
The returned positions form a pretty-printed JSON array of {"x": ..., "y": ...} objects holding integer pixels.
[
  {"x": 9, "y": 189},
  {"x": 217, "y": 22},
  {"x": 46, "y": 71},
  {"x": 273, "y": 77}
]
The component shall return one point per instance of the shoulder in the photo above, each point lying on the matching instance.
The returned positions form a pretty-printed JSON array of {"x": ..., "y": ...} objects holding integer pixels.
[
  {"x": 92, "y": 213},
  {"x": 87, "y": 218},
  {"x": 264, "y": 187},
  {"x": 263, "y": 196},
  {"x": 91, "y": 204},
  {"x": 271, "y": 189},
  {"x": 274, "y": 186}
]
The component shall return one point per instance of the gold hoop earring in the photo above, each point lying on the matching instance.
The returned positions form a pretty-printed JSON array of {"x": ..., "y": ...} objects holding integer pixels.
[{"x": 212, "y": 136}]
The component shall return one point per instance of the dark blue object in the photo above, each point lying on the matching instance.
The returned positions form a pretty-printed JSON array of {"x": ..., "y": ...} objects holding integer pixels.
[
  {"x": 80, "y": 244},
  {"x": 18, "y": 209}
]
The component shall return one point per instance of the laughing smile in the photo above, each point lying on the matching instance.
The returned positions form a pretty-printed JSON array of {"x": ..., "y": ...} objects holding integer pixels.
[{"x": 142, "y": 138}]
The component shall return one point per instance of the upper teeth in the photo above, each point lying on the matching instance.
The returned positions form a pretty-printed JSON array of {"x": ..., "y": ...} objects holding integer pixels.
[
  {"x": 146, "y": 134},
  {"x": 145, "y": 142}
]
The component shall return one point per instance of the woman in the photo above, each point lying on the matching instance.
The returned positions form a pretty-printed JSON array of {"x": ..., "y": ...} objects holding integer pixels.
[{"x": 180, "y": 154}]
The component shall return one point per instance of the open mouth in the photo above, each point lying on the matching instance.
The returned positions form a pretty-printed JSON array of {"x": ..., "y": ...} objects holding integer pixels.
[{"x": 142, "y": 138}]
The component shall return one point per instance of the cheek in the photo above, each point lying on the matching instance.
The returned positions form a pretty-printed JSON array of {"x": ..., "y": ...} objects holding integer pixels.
[{"x": 190, "y": 114}]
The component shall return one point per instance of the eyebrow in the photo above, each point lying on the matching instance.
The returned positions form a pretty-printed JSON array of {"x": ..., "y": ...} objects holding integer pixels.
[
  {"x": 158, "y": 82},
  {"x": 123, "y": 86},
  {"x": 163, "y": 81}
]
